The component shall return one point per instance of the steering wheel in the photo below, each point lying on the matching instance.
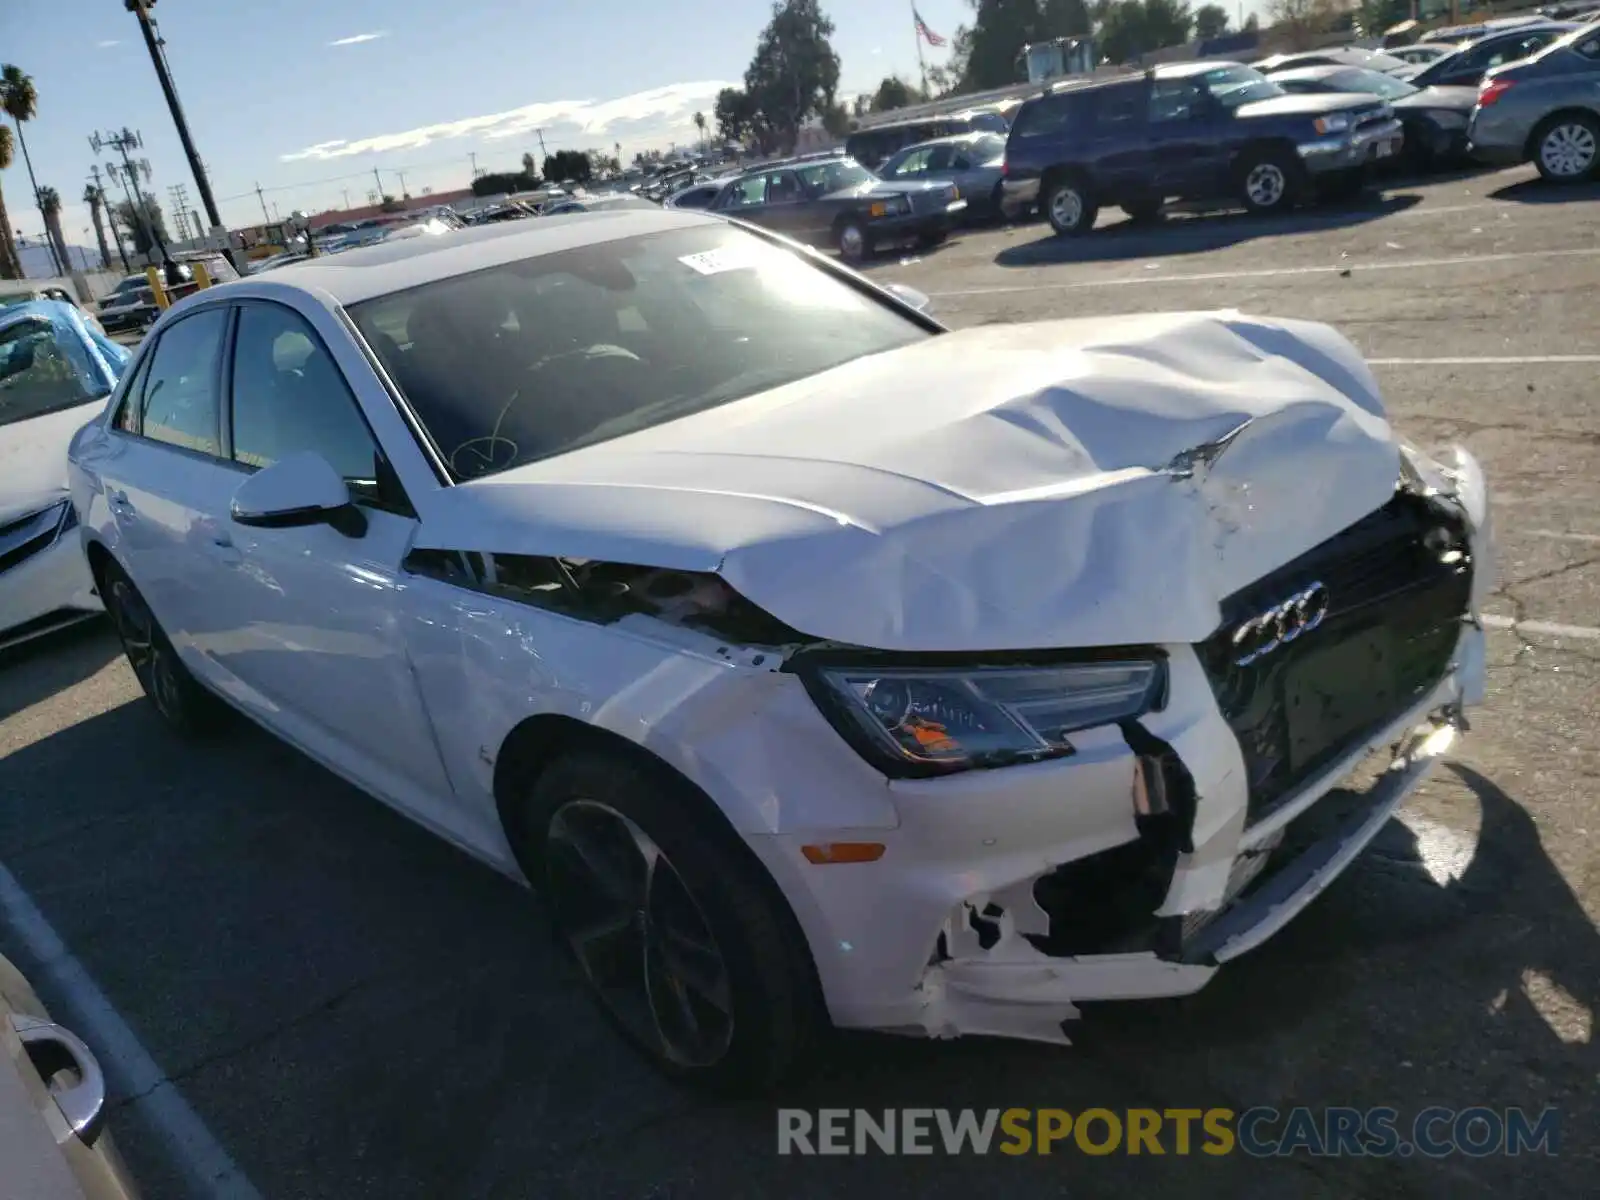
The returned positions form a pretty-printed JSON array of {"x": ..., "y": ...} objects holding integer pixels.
[{"x": 481, "y": 455}]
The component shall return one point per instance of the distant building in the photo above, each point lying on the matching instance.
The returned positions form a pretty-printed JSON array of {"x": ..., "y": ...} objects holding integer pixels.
[{"x": 410, "y": 204}]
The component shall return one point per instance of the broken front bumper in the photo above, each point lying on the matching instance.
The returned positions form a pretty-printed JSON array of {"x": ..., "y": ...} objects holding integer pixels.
[{"x": 954, "y": 930}]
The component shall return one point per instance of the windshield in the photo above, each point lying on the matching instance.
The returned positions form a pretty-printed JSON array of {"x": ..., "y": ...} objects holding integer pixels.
[
  {"x": 43, "y": 369},
  {"x": 835, "y": 175},
  {"x": 538, "y": 357},
  {"x": 1233, "y": 86},
  {"x": 1372, "y": 82}
]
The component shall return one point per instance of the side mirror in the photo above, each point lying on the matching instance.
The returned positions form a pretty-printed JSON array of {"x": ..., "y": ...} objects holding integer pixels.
[
  {"x": 910, "y": 296},
  {"x": 302, "y": 489}
]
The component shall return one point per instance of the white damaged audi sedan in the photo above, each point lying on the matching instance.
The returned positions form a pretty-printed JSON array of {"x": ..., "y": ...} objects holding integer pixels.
[{"x": 816, "y": 664}]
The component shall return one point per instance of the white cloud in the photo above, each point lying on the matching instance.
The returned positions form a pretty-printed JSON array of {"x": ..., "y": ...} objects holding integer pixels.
[
  {"x": 106, "y": 45},
  {"x": 642, "y": 114},
  {"x": 358, "y": 38}
]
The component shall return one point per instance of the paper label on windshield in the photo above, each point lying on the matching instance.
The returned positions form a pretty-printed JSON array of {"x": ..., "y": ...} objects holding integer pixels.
[{"x": 714, "y": 262}]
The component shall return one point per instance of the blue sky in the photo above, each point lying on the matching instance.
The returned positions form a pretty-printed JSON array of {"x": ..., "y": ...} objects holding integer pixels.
[{"x": 306, "y": 97}]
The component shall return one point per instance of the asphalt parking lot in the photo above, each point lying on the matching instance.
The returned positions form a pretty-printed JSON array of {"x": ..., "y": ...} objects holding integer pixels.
[{"x": 306, "y": 996}]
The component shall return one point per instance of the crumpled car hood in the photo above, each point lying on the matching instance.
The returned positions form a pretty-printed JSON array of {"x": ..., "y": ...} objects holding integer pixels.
[{"x": 1059, "y": 484}]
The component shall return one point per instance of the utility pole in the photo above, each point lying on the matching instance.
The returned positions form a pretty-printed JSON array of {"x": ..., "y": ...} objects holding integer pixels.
[
  {"x": 180, "y": 211},
  {"x": 474, "y": 157},
  {"x": 261, "y": 197},
  {"x": 156, "y": 46},
  {"x": 543, "y": 153},
  {"x": 111, "y": 217},
  {"x": 379, "y": 178},
  {"x": 122, "y": 141},
  {"x": 345, "y": 192}
]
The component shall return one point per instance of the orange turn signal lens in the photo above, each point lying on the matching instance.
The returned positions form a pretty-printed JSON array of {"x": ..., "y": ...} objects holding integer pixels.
[{"x": 843, "y": 852}]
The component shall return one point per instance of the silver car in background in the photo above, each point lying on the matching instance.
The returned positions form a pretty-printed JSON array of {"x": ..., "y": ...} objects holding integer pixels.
[
  {"x": 971, "y": 161},
  {"x": 1544, "y": 109}
]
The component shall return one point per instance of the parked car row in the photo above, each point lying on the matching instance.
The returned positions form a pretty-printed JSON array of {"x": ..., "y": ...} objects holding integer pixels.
[{"x": 1224, "y": 132}]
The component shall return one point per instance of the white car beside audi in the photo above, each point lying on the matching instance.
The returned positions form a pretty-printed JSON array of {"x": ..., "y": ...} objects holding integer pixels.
[{"x": 814, "y": 662}]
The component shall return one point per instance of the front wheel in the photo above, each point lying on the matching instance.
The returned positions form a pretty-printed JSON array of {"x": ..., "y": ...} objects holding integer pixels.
[
  {"x": 182, "y": 702},
  {"x": 853, "y": 243},
  {"x": 1566, "y": 148},
  {"x": 1268, "y": 181},
  {"x": 670, "y": 924},
  {"x": 1070, "y": 207}
]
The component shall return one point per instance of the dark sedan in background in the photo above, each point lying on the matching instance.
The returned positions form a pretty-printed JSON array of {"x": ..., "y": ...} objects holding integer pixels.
[
  {"x": 1434, "y": 119},
  {"x": 838, "y": 202},
  {"x": 1545, "y": 109},
  {"x": 971, "y": 161}
]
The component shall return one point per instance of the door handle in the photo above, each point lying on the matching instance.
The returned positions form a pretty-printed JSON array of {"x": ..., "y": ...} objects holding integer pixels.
[
  {"x": 119, "y": 500},
  {"x": 50, "y": 1048},
  {"x": 222, "y": 546}
]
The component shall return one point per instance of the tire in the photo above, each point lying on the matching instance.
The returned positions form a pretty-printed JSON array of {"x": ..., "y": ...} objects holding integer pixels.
[
  {"x": 1144, "y": 212},
  {"x": 702, "y": 925},
  {"x": 1566, "y": 148},
  {"x": 186, "y": 706},
  {"x": 1069, "y": 206},
  {"x": 853, "y": 241},
  {"x": 1268, "y": 181}
]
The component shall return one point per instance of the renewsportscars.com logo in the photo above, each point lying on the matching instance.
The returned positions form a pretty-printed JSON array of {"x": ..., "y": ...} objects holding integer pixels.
[{"x": 1260, "y": 1132}]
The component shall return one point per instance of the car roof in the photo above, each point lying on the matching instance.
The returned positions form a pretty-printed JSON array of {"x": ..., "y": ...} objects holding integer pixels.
[
  {"x": 1320, "y": 71},
  {"x": 950, "y": 139},
  {"x": 1183, "y": 70},
  {"x": 400, "y": 263}
]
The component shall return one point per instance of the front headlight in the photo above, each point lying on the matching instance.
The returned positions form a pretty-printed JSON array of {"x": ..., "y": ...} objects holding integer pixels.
[
  {"x": 914, "y": 721},
  {"x": 1333, "y": 123}
]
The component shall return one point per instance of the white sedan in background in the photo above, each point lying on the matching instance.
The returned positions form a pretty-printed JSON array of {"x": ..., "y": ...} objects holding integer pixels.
[
  {"x": 56, "y": 370},
  {"x": 814, "y": 662}
]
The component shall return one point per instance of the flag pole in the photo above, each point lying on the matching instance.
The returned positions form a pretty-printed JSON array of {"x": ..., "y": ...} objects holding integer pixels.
[{"x": 916, "y": 34}]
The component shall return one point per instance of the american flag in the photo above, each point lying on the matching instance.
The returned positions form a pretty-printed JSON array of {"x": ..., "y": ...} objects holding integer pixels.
[{"x": 926, "y": 34}]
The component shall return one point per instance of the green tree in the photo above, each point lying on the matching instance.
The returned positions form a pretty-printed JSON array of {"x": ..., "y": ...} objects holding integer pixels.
[
  {"x": 795, "y": 72},
  {"x": 1000, "y": 29},
  {"x": 894, "y": 92},
  {"x": 700, "y": 128},
  {"x": 1210, "y": 21},
  {"x": 733, "y": 114},
  {"x": 50, "y": 208},
  {"x": 503, "y": 183},
  {"x": 567, "y": 164},
  {"x": 836, "y": 120},
  {"x": 142, "y": 221},
  {"x": 1375, "y": 16},
  {"x": 1299, "y": 22},
  {"x": 1252, "y": 24},
  {"x": 20, "y": 100},
  {"x": 10, "y": 267},
  {"x": 96, "y": 200},
  {"x": 1131, "y": 28}
]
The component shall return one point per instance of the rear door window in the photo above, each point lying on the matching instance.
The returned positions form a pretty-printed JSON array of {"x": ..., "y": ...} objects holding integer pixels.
[
  {"x": 182, "y": 393},
  {"x": 1047, "y": 116}
]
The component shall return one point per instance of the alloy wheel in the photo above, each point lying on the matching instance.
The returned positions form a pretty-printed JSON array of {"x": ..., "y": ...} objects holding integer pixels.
[
  {"x": 146, "y": 650},
  {"x": 1066, "y": 207},
  {"x": 638, "y": 934},
  {"x": 1265, "y": 185},
  {"x": 1568, "y": 150},
  {"x": 852, "y": 242}
]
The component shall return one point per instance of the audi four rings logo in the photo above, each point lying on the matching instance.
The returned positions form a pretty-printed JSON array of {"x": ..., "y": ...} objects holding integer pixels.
[{"x": 1278, "y": 626}]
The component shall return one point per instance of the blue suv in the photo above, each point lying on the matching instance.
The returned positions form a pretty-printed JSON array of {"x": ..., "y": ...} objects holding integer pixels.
[{"x": 1197, "y": 131}]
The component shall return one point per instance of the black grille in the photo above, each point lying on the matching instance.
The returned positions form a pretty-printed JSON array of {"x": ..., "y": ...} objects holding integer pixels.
[{"x": 1398, "y": 584}]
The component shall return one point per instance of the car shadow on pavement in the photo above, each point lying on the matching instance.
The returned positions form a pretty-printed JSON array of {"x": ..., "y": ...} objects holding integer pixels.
[
  {"x": 1537, "y": 191},
  {"x": 35, "y": 671},
  {"x": 356, "y": 1010},
  {"x": 1182, "y": 234}
]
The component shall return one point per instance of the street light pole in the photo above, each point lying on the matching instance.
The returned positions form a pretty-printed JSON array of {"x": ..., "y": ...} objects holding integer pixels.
[{"x": 141, "y": 10}]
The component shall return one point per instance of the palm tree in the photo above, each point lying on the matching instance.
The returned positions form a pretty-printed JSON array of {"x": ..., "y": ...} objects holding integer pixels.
[
  {"x": 95, "y": 199},
  {"x": 20, "y": 99},
  {"x": 50, "y": 207},
  {"x": 700, "y": 124},
  {"x": 10, "y": 267}
]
